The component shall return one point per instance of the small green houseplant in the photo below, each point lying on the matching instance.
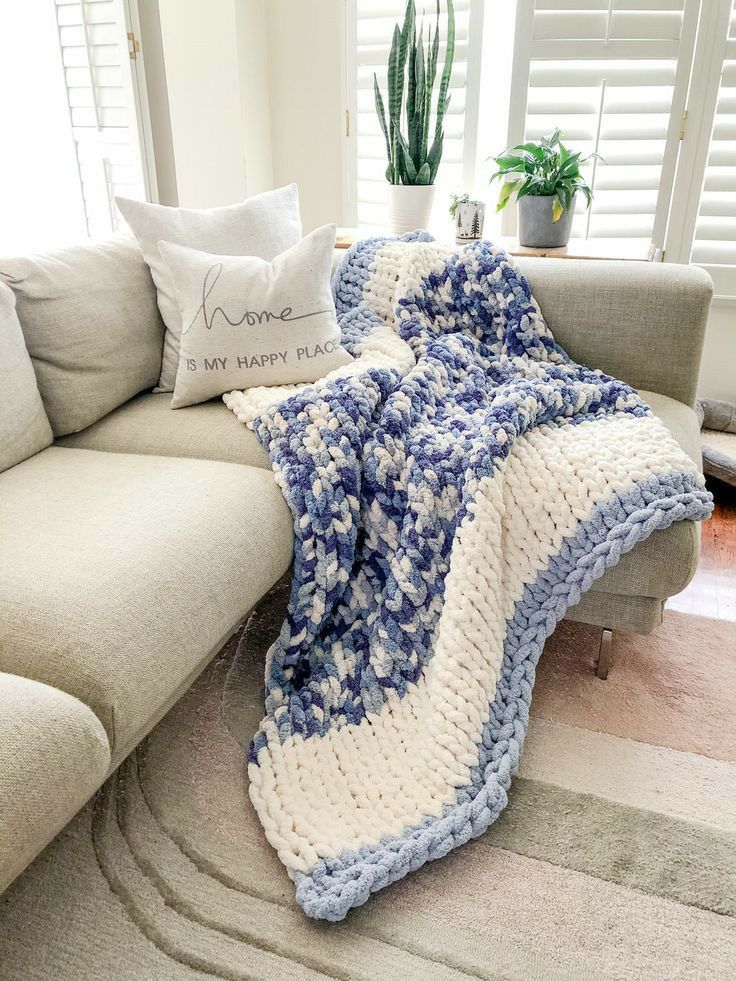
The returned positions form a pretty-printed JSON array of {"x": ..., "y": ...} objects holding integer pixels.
[
  {"x": 456, "y": 200},
  {"x": 413, "y": 159},
  {"x": 544, "y": 177}
]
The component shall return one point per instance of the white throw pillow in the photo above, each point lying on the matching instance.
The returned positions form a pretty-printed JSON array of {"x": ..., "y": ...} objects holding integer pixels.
[
  {"x": 247, "y": 322},
  {"x": 264, "y": 225}
]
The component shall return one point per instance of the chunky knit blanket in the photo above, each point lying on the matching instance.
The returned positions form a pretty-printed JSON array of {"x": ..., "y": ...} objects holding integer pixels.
[{"x": 454, "y": 490}]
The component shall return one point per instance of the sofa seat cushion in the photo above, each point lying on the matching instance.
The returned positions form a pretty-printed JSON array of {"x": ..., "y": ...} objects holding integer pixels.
[
  {"x": 659, "y": 567},
  {"x": 54, "y": 754},
  {"x": 122, "y": 575},
  {"x": 665, "y": 563},
  {"x": 148, "y": 424}
]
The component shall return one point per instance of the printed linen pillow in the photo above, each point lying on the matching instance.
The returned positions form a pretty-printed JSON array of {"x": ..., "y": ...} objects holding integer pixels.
[
  {"x": 249, "y": 322},
  {"x": 264, "y": 225}
]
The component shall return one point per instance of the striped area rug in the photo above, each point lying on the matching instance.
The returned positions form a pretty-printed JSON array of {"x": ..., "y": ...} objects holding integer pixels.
[{"x": 616, "y": 857}]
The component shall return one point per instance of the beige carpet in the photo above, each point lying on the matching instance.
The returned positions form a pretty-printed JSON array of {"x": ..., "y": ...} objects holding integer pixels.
[{"x": 615, "y": 859}]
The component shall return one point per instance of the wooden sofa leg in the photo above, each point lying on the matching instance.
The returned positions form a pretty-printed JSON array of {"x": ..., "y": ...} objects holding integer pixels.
[{"x": 604, "y": 654}]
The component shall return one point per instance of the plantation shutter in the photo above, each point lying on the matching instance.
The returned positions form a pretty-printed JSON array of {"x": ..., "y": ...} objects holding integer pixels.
[
  {"x": 613, "y": 75},
  {"x": 101, "y": 71},
  {"x": 370, "y": 28},
  {"x": 715, "y": 230}
]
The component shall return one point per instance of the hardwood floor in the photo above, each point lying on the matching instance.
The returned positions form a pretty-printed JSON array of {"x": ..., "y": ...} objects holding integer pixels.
[{"x": 712, "y": 592}]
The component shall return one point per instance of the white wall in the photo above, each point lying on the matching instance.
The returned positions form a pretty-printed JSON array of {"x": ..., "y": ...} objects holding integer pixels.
[
  {"x": 158, "y": 102},
  {"x": 246, "y": 95},
  {"x": 306, "y": 42},
  {"x": 718, "y": 369},
  {"x": 200, "y": 52},
  {"x": 255, "y": 97},
  {"x": 41, "y": 203}
]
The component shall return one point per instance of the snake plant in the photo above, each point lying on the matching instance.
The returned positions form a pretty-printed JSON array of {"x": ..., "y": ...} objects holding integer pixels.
[{"x": 412, "y": 71}]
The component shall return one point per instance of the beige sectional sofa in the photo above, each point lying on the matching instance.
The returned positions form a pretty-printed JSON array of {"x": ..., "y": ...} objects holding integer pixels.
[
  {"x": 124, "y": 566},
  {"x": 134, "y": 539}
]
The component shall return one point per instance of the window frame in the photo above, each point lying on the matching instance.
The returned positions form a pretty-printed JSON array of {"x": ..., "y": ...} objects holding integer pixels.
[
  {"x": 139, "y": 96},
  {"x": 702, "y": 101}
]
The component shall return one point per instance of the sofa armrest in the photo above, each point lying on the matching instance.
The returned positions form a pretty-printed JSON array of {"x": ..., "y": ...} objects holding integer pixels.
[{"x": 641, "y": 322}]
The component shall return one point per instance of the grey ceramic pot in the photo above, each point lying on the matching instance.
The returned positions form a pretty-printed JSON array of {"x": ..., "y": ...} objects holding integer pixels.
[{"x": 536, "y": 228}]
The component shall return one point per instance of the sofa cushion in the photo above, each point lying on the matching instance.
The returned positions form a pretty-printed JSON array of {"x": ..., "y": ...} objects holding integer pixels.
[
  {"x": 642, "y": 322},
  {"x": 54, "y": 754},
  {"x": 91, "y": 325},
  {"x": 633, "y": 614},
  {"x": 681, "y": 421},
  {"x": 658, "y": 567},
  {"x": 24, "y": 426},
  {"x": 148, "y": 424},
  {"x": 664, "y": 563},
  {"x": 264, "y": 225},
  {"x": 122, "y": 575},
  {"x": 249, "y": 323}
]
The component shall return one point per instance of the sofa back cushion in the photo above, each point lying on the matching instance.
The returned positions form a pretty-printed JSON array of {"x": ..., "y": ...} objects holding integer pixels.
[
  {"x": 24, "y": 427},
  {"x": 91, "y": 325},
  {"x": 642, "y": 322}
]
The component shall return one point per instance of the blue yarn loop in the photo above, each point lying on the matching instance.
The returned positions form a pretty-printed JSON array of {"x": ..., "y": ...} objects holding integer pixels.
[{"x": 379, "y": 468}]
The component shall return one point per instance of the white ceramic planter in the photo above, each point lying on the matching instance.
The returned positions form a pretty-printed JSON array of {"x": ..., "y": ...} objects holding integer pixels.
[{"x": 410, "y": 206}]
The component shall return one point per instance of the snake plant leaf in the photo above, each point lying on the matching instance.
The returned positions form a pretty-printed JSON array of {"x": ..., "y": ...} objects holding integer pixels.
[
  {"x": 430, "y": 80},
  {"x": 423, "y": 174},
  {"x": 407, "y": 163},
  {"x": 381, "y": 113},
  {"x": 442, "y": 98},
  {"x": 426, "y": 108},
  {"x": 434, "y": 156},
  {"x": 417, "y": 123},
  {"x": 395, "y": 91},
  {"x": 407, "y": 32},
  {"x": 395, "y": 81},
  {"x": 411, "y": 84}
]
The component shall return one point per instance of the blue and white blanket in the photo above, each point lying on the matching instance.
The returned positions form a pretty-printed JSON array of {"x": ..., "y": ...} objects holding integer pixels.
[{"x": 454, "y": 490}]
